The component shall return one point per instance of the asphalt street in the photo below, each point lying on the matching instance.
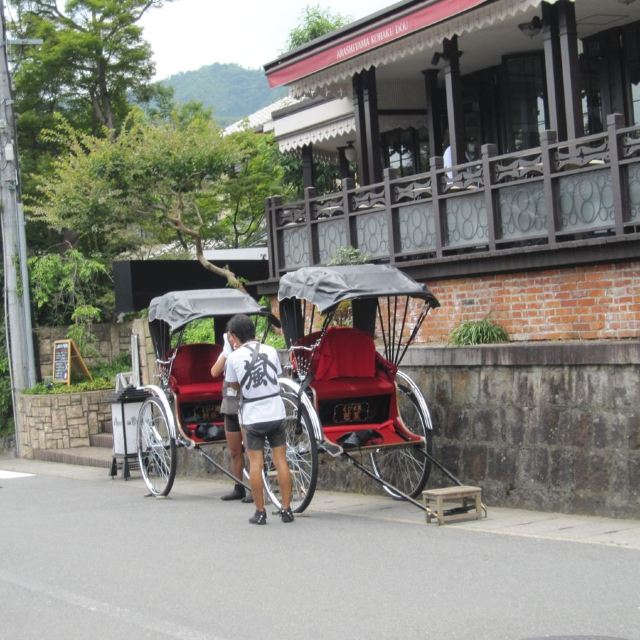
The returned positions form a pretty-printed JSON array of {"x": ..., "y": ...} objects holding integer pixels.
[{"x": 85, "y": 556}]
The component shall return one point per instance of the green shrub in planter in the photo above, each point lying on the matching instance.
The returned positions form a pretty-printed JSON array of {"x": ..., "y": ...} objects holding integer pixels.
[
  {"x": 474, "y": 332},
  {"x": 104, "y": 376}
]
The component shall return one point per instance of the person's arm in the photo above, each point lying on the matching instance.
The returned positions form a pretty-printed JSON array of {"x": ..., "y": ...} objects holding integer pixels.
[
  {"x": 218, "y": 365},
  {"x": 230, "y": 376}
]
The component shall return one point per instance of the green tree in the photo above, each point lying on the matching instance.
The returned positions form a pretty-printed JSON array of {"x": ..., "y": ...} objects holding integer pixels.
[
  {"x": 159, "y": 181},
  {"x": 92, "y": 58},
  {"x": 92, "y": 64},
  {"x": 61, "y": 283},
  {"x": 314, "y": 22},
  {"x": 258, "y": 175}
]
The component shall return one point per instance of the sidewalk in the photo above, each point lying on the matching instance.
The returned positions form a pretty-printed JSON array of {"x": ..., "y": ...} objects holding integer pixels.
[{"x": 501, "y": 521}]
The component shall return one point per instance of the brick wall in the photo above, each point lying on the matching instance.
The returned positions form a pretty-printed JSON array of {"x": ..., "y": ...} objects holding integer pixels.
[{"x": 582, "y": 303}]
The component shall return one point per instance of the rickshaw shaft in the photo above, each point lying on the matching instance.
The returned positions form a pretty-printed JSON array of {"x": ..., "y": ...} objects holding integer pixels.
[
  {"x": 389, "y": 486},
  {"x": 225, "y": 471}
]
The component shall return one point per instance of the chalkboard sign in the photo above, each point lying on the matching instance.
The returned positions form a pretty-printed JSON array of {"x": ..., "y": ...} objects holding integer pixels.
[
  {"x": 62, "y": 361},
  {"x": 67, "y": 358}
]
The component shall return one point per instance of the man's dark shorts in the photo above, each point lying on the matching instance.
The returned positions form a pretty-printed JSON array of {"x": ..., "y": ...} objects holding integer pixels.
[
  {"x": 231, "y": 422},
  {"x": 257, "y": 433}
]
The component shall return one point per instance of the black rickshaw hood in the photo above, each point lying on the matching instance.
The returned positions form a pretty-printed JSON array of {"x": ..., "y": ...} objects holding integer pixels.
[
  {"x": 178, "y": 308},
  {"x": 325, "y": 287}
]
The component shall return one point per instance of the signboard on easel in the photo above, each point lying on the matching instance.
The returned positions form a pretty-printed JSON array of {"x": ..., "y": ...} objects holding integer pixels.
[{"x": 67, "y": 359}]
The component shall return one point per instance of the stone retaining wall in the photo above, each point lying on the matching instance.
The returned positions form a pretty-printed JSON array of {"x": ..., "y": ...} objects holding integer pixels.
[
  {"x": 112, "y": 340},
  {"x": 62, "y": 421},
  {"x": 552, "y": 426}
]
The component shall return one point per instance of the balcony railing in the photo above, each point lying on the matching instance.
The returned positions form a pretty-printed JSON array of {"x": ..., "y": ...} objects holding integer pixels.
[{"x": 576, "y": 190}]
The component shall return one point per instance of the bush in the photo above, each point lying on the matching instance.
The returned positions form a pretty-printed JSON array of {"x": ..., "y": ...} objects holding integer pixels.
[
  {"x": 104, "y": 376},
  {"x": 474, "y": 332},
  {"x": 349, "y": 255}
]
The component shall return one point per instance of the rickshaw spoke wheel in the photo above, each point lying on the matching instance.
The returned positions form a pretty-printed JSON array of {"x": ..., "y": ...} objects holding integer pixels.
[
  {"x": 406, "y": 468},
  {"x": 302, "y": 458},
  {"x": 156, "y": 448}
]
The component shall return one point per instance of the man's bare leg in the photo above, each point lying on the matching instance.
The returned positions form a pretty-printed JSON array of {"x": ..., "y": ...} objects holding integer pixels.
[
  {"x": 256, "y": 462},
  {"x": 284, "y": 475}
]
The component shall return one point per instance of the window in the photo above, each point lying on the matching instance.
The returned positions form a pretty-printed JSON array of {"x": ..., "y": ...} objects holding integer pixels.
[
  {"x": 525, "y": 100},
  {"x": 406, "y": 151}
]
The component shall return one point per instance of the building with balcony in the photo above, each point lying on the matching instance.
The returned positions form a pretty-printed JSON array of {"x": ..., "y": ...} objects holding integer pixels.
[{"x": 491, "y": 147}]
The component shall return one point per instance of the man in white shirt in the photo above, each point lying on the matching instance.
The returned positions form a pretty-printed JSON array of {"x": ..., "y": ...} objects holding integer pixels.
[
  {"x": 230, "y": 408},
  {"x": 253, "y": 368}
]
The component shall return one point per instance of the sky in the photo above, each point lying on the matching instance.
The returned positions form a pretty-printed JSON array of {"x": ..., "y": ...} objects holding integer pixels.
[{"x": 188, "y": 34}]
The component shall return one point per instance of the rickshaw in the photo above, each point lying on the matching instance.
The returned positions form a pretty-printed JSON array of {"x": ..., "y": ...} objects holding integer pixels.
[
  {"x": 183, "y": 409},
  {"x": 345, "y": 395}
]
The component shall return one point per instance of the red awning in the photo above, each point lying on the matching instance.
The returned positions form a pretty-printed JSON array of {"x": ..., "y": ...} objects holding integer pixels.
[{"x": 378, "y": 36}]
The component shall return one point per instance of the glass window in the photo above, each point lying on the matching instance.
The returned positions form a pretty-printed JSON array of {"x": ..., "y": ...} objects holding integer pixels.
[
  {"x": 592, "y": 65},
  {"x": 526, "y": 100},
  {"x": 406, "y": 151}
]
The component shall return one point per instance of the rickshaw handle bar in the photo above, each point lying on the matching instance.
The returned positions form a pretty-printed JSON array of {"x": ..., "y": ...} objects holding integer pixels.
[
  {"x": 225, "y": 471},
  {"x": 373, "y": 476}
]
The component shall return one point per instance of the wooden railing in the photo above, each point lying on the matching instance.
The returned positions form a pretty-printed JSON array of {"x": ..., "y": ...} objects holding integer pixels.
[{"x": 574, "y": 190}]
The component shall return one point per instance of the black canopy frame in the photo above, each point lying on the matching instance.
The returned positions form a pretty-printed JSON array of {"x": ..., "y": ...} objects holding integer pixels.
[
  {"x": 170, "y": 313},
  {"x": 364, "y": 286}
]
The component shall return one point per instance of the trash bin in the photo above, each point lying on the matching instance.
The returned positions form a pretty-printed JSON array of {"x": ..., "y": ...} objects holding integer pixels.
[{"x": 125, "y": 407}]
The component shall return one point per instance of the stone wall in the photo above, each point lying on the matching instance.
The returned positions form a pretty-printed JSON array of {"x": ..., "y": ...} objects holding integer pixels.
[
  {"x": 554, "y": 427},
  {"x": 63, "y": 420},
  {"x": 112, "y": 340}
]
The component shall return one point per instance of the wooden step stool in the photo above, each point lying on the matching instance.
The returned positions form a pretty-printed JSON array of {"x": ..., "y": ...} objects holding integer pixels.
[{"x": 434, "y": 500}]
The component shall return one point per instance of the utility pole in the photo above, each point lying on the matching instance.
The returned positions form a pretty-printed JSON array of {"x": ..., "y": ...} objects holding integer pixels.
[{"x": 16, "y": 281}]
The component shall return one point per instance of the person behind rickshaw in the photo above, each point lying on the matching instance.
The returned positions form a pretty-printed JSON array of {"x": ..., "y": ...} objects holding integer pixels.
[
  {"x": 253, "y": 368},
  {"x": 229, "y": 408}
]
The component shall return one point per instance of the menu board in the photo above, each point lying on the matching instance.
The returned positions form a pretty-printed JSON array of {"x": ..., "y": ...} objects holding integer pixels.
[
  {"x": 67, "y": 358},
  {"x": 62, "y": 361}
]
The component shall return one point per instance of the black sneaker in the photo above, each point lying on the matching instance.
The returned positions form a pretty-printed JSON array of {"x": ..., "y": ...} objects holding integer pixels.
[
  {"x": 259, "y": 517},
  {"x": 238, "y": 493},
  {"x": 286, "y": 515}
]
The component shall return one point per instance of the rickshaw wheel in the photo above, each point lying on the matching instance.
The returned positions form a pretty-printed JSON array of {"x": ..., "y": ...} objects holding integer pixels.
[
  {"x": 406, "y": 468},
  {"x": 156, "y": 448},
  {"x": 302, "y": 458}
]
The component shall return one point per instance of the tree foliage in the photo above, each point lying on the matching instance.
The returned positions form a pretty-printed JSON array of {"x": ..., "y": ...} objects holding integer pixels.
[
  {"x": 159, "y": 181},
  {"x": 258, "y": 175},
  {"x": 92, "y": 58},
  {"x": 61, "y": 283},
  {"x": 92, "y": 63},
  {"x": 314, "y": 22}
]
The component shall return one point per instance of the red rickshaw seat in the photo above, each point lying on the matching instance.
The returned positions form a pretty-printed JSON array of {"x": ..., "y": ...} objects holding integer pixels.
[
  {"x": 345, "y": 366},
  {"x": 191, "y": 372}
]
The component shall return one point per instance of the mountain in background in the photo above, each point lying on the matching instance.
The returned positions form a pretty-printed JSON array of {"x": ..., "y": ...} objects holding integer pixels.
[{"x": 231, "y": 91}]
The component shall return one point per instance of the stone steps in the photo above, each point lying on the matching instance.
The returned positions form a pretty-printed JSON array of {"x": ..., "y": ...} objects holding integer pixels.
[
  {"x": 102, "y": 440},
  {"x": 88, "y": 456},
  {"x": 98, "y": 454}
]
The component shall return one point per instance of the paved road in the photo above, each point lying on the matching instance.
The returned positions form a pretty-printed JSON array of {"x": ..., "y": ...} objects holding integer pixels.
[{"x": 87, "y": 557}]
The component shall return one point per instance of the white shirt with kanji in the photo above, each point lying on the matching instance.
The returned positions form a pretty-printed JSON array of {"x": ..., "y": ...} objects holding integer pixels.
[{"x": 259, "y": 383}]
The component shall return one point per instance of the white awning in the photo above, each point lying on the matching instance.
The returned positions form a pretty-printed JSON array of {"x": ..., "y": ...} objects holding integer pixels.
[
  {"x": 431, "y": 37},
  {"x": 324, "y": 121}
]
